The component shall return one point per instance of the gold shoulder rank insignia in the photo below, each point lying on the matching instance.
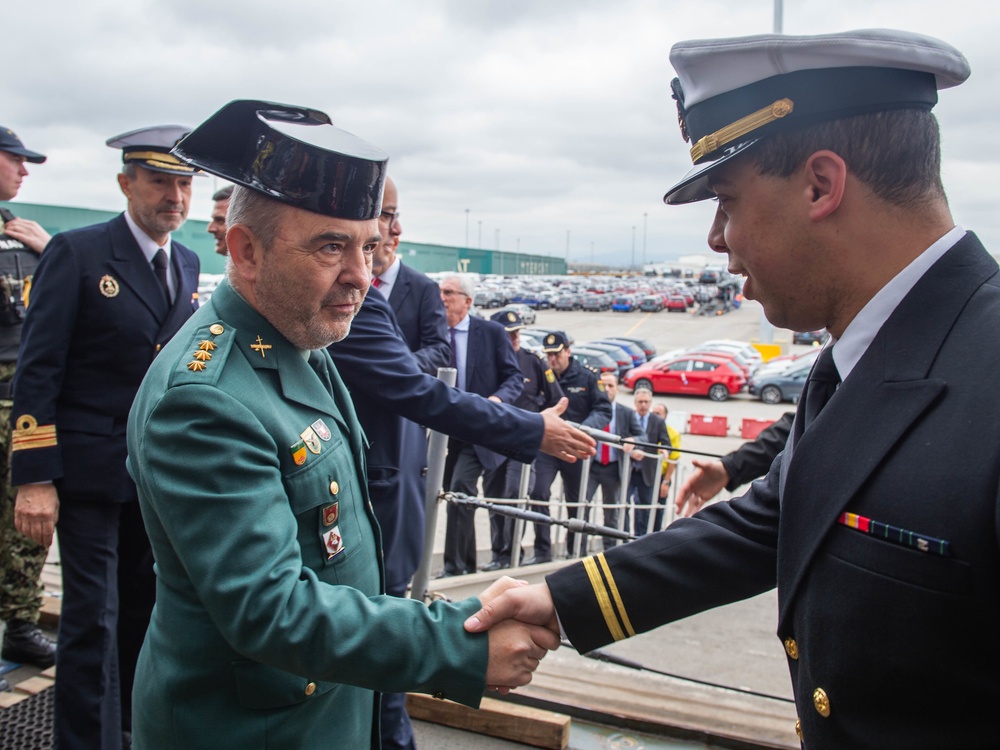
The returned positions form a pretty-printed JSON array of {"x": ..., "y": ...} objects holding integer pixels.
[
  {"x": 195, "y": 366},
  {"x": 550, "y": 376}
]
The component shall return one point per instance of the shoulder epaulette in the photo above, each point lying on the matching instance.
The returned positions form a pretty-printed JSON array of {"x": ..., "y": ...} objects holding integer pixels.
[{"x": 207, "y": 352}]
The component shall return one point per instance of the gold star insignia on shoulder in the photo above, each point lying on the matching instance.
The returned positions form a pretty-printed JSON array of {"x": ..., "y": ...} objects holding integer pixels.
[
  {"x": 207, "y": 346},
  {"x": 201, "y": 355},
  {"x": 195, "y": 366}
]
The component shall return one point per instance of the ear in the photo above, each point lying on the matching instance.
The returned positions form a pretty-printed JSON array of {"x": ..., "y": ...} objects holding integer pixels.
[
  {"x": 125, "y": 184},
  {"x": 826, "y": 178},
  {"x": 245, "y": 251}
]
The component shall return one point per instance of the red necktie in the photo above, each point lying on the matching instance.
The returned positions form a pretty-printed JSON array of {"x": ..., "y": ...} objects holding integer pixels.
[
  {"x": 377, "y": 282},
  {"x": 605, "y": 450}
]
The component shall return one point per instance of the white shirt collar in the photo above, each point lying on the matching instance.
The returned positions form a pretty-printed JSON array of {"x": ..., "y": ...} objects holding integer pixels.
[
  {"x": 390, "y": 274},
  {"x": 861, "y": 331},
  {"x": 463, "y": 324},
  {"x": 145, "y": 242}
]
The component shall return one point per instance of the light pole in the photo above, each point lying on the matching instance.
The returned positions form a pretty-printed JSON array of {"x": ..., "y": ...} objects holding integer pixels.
[
  {"x": 645, "y": 216},
  {"x": 466, "y": 227},
  {"x": 480, "y": 234},
  {"x": 633, "y": 247}
]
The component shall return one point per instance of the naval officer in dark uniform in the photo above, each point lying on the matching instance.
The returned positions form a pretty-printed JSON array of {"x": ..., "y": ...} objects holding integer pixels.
[
  {"x": 105, "y": 299},
  {"x": 882, "y": 541},
  {"x": 588, "y": 406}
]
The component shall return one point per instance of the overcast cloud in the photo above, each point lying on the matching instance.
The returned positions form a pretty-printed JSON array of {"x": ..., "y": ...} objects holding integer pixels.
[{"x": 538, "y": 117}]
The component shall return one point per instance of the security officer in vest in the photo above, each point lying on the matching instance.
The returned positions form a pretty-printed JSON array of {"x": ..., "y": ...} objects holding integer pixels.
[
  {"x": 540, "y": 392},
  {"x": 21, "y": 559},
  {"x": 588, "y": 406},
  {"x": 272, "y": 628},
  {"x": 105, "y": 299}
]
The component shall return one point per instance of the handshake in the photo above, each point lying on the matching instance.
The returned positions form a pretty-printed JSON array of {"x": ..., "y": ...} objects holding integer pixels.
[{"x": 520, "y": 620}]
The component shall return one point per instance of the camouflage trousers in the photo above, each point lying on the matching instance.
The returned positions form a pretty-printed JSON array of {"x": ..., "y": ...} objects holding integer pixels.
[{"x": 21, "y": 559}]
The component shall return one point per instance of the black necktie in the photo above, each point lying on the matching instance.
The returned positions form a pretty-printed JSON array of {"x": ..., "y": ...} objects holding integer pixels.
[
  {"x": 823, "y": 382},
  {"x": 454, "y": 357},
  {"x": 160, "y": 269}
]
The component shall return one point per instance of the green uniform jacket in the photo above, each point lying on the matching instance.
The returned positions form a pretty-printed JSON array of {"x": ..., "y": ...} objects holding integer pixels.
[{"x": 270, "y": 628}]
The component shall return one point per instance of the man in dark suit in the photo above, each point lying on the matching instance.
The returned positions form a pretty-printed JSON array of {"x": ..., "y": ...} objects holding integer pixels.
[
  {"x": 105, "y": 300},
  {"x": 882, "y": 542},
  {"x": 486, "y": 365},
  {"x": 606, "y": 469},
  {"x": 393, "y": 397},
  {"x": 644, "y": 467},
  {"x": 415, "y": 299}
]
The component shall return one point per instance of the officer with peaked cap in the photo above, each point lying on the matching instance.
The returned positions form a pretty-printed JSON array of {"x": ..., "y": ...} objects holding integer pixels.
[
  {"x": 271, "y": 628},
  {"x": 21, "y": 560},
  {"x": 878, "y": 523},
  {"x": 104, "y": 301},
  {"x": 540, "y": 392}
]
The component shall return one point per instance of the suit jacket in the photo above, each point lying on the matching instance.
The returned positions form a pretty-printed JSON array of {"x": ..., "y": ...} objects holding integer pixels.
[
  {"x": 626, "y": 424},
  {"x": 392, "y": 396},
  {"x": 416, "y": 301},
  {"x": 868, "y": 621},
  {"x": 96, "y": 320},
  {"x": 491, "y": 369},
  {"x": 752, "y": 460},
  {"x": 656, "y": 432},
  {"x": 270, "y": 630}
]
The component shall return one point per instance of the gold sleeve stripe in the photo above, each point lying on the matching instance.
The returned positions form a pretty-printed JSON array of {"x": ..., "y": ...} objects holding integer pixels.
[
  {"x": 601, "y": 594},
  {"x": 43, "y": 436},
  {"x": 616, "y": 595}
]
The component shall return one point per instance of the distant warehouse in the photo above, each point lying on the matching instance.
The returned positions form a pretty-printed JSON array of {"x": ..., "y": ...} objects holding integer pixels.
[{"x": 426, "y": 258}]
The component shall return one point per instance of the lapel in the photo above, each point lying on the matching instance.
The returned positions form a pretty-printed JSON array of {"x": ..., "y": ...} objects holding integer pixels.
[
  {"x": 890, "y": 387},
  {"x": 400, "y": 289},
  {"x": 131, "y": 267},
  {"x": 185, "y": 267}
]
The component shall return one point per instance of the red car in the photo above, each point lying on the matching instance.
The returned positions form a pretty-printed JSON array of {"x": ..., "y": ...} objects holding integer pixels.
[
  {"x": 691, "y": 375},
  {"x": 676, "y": 302}
]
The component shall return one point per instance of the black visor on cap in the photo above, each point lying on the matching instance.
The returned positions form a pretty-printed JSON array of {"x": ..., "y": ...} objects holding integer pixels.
[{"x": 292, "y": 154}]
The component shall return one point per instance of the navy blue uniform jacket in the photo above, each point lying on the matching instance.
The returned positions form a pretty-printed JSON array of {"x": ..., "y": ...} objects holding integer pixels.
[
  {"x": 416, "y": 301},
  {"x": 97, "y": 319},
  {"x": 392, "y": 396},
  {"x": 901, "y": 642}
]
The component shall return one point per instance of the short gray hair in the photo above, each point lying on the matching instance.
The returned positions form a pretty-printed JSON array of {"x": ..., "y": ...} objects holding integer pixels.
[
  {"x": 642, "y": 389},
  {"x": 258, "y": 212},
  {"x": 465, "y": 284}
]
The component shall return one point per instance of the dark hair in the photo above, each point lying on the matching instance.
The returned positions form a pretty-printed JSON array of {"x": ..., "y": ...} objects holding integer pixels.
[
  {"x": 223, "y": 194},
  {"x": 896, "y": 153}
]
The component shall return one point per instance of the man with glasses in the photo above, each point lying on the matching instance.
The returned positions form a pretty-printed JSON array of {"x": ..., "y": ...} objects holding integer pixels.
[
  {"x": 486, "y": 365},
  {"x": 414, "y": 298}
]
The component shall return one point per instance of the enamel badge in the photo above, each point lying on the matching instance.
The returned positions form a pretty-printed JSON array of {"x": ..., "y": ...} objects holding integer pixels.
[
  {"x": 311, "y": 440},
  {"x": 333, "y": 543},
  {"x": 330, "y": 514},
  {"x": 299, "y": 453},
  {"x": 319, "y": 426}
]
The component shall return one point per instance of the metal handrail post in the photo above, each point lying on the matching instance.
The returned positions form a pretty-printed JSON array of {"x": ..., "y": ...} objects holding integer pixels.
[
  {"x": 583, "y": 507},
  {"x": 626, "y": 475},
  {"x": 522, "y": 492},
  {"x": 437, "y": 449},
  {"x": 654, "y": 500}
]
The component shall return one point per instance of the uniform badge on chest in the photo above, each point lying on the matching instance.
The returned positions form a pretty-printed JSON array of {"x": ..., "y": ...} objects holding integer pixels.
[
  {"x": 320, "y": 428},
  {"x": 311, "y": 439},
  {"x": 299, "y": 453},
  {"x": 333, "y": 543},
  {"x": 330, "y": 514}
]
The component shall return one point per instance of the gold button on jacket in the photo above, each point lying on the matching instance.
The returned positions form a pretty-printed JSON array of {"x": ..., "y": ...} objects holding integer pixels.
[
  {"x": 791, "y": 648},
  {"x": 822, "y": 702}
]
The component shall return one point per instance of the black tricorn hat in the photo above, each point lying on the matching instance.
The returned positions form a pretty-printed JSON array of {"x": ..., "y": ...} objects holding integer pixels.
[{"x": 292, "y": 154}]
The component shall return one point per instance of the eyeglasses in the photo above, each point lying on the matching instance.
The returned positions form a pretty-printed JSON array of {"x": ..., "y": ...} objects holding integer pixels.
[
  {"x": 452, "y": 292},
  {"x": 389, "y": 217}
]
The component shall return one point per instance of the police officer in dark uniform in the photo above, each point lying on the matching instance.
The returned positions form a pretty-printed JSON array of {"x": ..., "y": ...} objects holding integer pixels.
[
  {"x": 105, "y": 299},
  {"x": 540, "y": 392},
  {"x": 21, "y": 560},
  {"x": 589, "y": 406}
]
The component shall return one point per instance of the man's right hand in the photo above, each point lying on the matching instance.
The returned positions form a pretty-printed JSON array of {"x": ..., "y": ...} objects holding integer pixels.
[
  {"x": 705, "y": 483},
  {"x": 36, "y": 512},
  {"x": 563, "y": 441}
]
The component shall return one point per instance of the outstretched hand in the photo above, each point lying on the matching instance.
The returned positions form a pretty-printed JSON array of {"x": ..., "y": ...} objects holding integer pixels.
[
  {"x": 561, "y": 439},
  {"x": 708, "y": 479}
]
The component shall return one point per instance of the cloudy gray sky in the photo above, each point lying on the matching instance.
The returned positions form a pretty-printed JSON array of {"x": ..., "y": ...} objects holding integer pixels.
[{"x": 539, "y": 118}]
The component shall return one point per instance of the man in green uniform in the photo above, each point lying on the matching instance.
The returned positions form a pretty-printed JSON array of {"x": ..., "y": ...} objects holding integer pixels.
[
  {"x": 271, "y": 628},
  {"x": 21, "y": 560}
]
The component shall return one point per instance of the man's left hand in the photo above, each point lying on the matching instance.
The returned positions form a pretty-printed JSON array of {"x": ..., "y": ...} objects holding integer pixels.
[{"x": 29, "y": 232}]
